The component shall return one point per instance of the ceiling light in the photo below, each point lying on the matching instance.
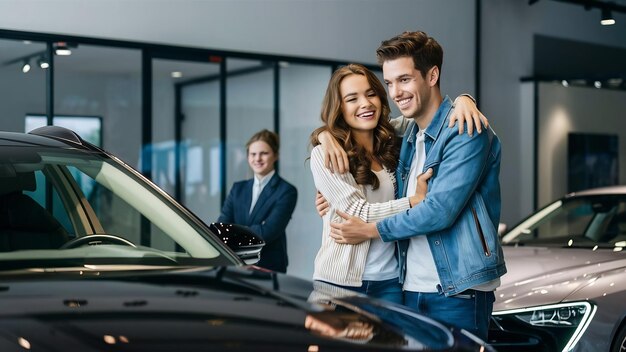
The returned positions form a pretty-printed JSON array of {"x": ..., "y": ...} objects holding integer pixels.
[
  {"x": 177, "y": 74},
  {"x": 61, "y": 48},
  {"x": 43, "y": 63},
  {"x": 607, "y": 17},
  {"x": 26, "y": 67}
]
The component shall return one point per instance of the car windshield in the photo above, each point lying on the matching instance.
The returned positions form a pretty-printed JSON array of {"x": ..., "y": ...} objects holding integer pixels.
[
  {"x": 69, "y": 208},
  {"x": 587, "y": 222}
]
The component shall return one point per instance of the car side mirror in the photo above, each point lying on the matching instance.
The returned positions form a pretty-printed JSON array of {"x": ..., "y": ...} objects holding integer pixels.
[
  {"x": 502, "y": 229},
  {"x": 241, "y": 240}
]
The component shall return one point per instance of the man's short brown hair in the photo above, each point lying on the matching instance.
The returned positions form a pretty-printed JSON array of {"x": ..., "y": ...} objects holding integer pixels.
[{"x": 424, "y": 50}]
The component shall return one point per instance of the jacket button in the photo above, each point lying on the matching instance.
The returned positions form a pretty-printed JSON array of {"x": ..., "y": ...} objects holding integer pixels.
[{"x": 437, "y": 243}]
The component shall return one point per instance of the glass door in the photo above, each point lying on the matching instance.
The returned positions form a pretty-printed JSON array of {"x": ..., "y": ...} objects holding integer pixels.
[
  {"x": 186, "y": 133},
  {"x": 250, "y": 108}
]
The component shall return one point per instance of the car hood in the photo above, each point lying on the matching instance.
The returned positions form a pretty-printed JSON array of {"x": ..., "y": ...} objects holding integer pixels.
[
  {"x": 221, "y": 309},
  {"x": 544, "y": 275}
]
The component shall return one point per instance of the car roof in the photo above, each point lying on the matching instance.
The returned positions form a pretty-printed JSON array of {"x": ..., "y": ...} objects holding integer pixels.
[{"x": 47, "y": 136}]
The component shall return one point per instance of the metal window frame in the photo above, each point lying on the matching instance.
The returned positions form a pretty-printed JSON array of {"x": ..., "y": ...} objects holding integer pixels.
[{"x": 149, "y": 52}]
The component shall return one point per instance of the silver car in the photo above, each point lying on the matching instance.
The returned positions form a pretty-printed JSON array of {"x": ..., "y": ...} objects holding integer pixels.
[{"x": 565, "y": 289}]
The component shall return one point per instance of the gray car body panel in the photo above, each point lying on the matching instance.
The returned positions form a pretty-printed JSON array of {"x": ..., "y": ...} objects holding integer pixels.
[{"x": 547, "y": 275}]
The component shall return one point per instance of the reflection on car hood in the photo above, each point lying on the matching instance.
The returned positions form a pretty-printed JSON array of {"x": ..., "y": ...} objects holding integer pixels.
[
  {"x": 542, "y": 275},
  {"x": 221, "y": 309}
]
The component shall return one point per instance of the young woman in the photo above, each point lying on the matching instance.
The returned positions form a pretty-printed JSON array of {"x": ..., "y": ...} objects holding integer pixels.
[
  {"x": 265, "y": 202},
  {"x": 355, "y": 111}
]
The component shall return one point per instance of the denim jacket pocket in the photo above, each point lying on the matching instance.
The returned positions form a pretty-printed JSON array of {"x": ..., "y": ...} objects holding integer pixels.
[
  {"x": 485, "y": 232},
  {"x": 481, "y": 235}
]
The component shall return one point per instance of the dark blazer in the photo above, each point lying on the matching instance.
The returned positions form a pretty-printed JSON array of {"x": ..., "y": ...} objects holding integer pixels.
[{"x": 268, "y": 219}]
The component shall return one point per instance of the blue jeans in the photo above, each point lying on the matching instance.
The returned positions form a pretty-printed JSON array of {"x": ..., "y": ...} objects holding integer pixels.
[
  {"x": 469, "y": 310},
  {"x": 388, "y": 290}
]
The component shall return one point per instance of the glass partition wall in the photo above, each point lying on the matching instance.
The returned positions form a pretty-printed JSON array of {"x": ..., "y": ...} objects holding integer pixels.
[
  {"x": 104, "y": 82},
  {"x": 186, "y": 150},
  {"x": 302, "y": 89},
  {"x": 249, "y": 109},
  {"x": 22, "y": 82},
  {"x": 182, "y": 116}
]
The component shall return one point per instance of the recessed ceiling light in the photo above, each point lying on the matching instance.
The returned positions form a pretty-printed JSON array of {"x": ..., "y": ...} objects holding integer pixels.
[{"x": 177, "y": 74}]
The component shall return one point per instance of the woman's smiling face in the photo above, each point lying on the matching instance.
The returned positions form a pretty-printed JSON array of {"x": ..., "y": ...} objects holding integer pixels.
[{"x": 360, "y": 105}]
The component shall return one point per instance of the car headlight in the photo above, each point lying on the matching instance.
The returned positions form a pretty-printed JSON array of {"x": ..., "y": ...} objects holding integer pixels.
[{"x": 557, "y": 325}]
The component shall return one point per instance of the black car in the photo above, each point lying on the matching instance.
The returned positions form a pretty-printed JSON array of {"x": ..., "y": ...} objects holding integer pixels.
[{"x": 93, "y": 256}]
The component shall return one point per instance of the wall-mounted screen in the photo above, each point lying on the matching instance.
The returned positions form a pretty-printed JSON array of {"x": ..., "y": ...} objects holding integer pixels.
[
  {"x": 592, "y": 161},
  {"x": 88, "y": 127}
]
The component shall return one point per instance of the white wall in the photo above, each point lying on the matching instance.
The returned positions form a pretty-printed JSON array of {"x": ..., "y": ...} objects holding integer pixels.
[
  {"x": 506, "y": 56},
  {"x": 574, "y": 109},
  {"x": 347, "y": 30}
]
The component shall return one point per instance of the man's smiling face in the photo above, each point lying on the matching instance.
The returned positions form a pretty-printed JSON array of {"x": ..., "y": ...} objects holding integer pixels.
[{"x": 410, "y": 91}]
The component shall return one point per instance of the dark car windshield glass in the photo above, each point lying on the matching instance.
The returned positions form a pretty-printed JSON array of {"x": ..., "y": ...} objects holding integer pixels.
[
  {"x": 577, "y": 222},
  {"x": 60, "y": 204}
]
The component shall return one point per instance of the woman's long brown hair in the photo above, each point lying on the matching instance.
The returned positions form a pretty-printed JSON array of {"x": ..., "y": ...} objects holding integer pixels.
[{"x": 385, "y": 149}]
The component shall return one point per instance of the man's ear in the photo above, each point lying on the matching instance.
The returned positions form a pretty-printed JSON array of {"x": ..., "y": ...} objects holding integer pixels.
[{"x": 433, "y": 76}]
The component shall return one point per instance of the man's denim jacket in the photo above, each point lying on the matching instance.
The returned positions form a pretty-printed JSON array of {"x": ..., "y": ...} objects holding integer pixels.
[{"x": 461, "y": 211}]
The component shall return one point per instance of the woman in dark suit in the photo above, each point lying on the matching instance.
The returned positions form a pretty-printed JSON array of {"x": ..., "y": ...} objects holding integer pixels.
[{"x": 265, "y": 202}]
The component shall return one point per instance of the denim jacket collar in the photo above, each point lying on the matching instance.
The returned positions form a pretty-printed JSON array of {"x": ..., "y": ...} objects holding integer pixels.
[
  {"x": 439, "y": 119},
  {"x": 435, "y": 126}
]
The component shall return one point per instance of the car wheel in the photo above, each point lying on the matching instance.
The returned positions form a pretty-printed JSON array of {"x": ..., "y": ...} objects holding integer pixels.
[{"x": 619, "y": 345}]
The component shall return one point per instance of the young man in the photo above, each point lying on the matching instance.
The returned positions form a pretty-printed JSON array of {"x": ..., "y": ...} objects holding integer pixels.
[{"x": 449, "y": 247}]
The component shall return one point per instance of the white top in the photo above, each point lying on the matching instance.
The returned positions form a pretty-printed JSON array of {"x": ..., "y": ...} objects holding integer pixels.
[
  {"x": 421, "y": 272},
  {"x": 344, "y": 264},
  {"x": 258, "y": 185},
  {"x": 381, "y": 263}
]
